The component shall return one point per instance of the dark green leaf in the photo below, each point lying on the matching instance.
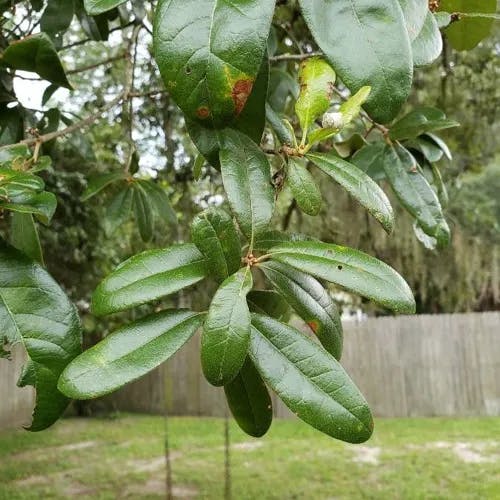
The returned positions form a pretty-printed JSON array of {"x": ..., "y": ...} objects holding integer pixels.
[
  {"x": 269, "y": 303},
  {"x": 303, "y": 187},
  {"x": 309, "y": 381},
  {"x": 249, "y": 401},
  {"x": 310, "y": 301},
  {"x": 148, "y": 276},
  {"x": 428, "y": 45},
  {"x": 226, "y": 333},
  {"x": 128, "y": 353},
  {"x": 36, "y": 53},
  {"x": 282, "y": 86},
  {"x": 98, "y": 183},
  {"x": 277, "y": 124},
  {"x": 118, "y": 210},
  {"x": 24, "y": 236},
  {"x": 415, "y": 193},
  {"x": 246, "y": 175},
  {"x": 57, "y": 16},
  {"x": 354, "y": 270},
  {"x": 13, "y": 182},
  {"x": 440, "y": 143},
  {"x": 143, "y": 212},
  {"x": 418, "y": 122},
  {"x": 215, "y": 235},
  {"x": 159, "y": 201},
  {"x": 367, "y": 44},
  {"x": 357, "y": 184},
  {"x": 370, "y": 160},
  {"x": 35, "y": 311},
  {"x": 95, "y": 7},
  {"x": 42, "y": 205},
  {"x": 427, "y": 147},
  {"x": 210, "y": 52}
]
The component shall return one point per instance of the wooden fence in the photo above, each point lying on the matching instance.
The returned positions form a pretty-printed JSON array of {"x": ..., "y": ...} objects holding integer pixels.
[{"x": 405, "y": 366}]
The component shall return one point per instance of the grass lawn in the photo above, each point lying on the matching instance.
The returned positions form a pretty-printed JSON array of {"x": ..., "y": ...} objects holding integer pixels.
[{"x": 123, "y": 458}]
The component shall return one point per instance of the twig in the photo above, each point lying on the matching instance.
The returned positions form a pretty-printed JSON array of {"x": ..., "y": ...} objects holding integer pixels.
[
  {"x": 294, "y": 57},
  {"x": 96, "y": 65}
]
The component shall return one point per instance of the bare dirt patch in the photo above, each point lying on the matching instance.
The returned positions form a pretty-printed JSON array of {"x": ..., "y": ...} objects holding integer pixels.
[{"x": 366, "y": 454}]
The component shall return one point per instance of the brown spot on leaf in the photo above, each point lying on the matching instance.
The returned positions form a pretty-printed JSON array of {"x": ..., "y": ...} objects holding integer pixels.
[
  {"x": 203, "y": 112},
  {"x": 313, "y": 325},
  {"x": 240, "y": 92}
]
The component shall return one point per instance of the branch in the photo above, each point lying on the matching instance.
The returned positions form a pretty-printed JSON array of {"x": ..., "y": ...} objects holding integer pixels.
[
  {"x": 96, "y": 65},
  {"x": 73, "y": 127},
  {"x": 294, "y": 57}
]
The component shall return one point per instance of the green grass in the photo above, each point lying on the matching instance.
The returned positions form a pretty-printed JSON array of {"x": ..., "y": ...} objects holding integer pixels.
[{"x": 122, "y": 458}]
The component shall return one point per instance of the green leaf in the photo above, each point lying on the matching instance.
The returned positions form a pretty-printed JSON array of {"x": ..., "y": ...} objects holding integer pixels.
[
  {"x": 414, "y": 13},
  {"x": 270, "y": 303},
  {"x": 309, "y": 381},
  {"x": 246, "y": 175},
  {"x": 226, "y": 333},
  {"x": 98, "y": 183},
  {"x": 35, "y": 312},
  {"x": 118, "y": 210},
  {"x": 428, "y": 45},
  {"x": 438, "y": 182},
  {"x": 143, "y": 212},
  {"x": 420, "y": 121},
  {"x": 277, "y": 124},
  {"x": 24, "y": 236},
  {"x": 15, "y": 153},
  {"x": 249, "y": 401},
  {"x": 370, "y": 160},
  {"x": 13, "y": 182},
  {"x": 198, "y": 165},
  {"x": 351, "y": 108},
  {"x": 357, "y": 184},
  {"x": 354, "y": 270},
  {"x": 128, "y": 353},
  {"x": 42, "y": 205},
  {"x": 415, "y": 193},
  {"x": 209, "y": 53},
  {"x": 367, "y": 44},
  {"x": 467, "y": 32},
  {"x": 159, "y": 201},
  {"x": 148, "y": 276},
  {"x": 282, "y": 86},
  {"x": 57, "y": 16},
  {"x": 303, "y": 187},
  {"x": 95, "y": 7},
  {"x": 214, "y": 234},
  {"x": 427, "y": 147},
  {"x": 440, "y": 143},
  {"x": 310, "y": 301},
  {"x": 317, "y": 80},
  {"x": 36, "y": 53},
  {"x": 271, "y": 238}
]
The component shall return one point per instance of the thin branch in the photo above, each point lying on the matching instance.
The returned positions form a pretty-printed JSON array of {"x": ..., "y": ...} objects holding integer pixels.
[
  {"x": 294, "y": 57},
  {"x": 85, "y": 40},
  {"x": 96, "y": 65}
]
